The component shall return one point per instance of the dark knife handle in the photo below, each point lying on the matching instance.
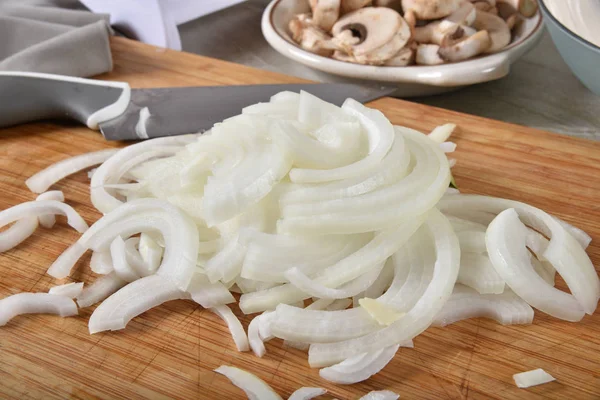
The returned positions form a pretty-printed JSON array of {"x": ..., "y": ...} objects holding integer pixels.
[{"x": 27, "y": 97}]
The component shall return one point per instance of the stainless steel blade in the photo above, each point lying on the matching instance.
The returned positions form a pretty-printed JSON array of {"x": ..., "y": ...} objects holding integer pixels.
[{"x": 176, "y": 111}]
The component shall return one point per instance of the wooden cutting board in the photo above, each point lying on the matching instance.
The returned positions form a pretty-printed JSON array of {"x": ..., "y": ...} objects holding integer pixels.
[{"x": 170, "y": 351}]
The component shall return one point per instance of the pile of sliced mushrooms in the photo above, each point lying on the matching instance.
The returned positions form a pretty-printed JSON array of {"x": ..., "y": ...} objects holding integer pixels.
[{"x": 405, "y": 32}]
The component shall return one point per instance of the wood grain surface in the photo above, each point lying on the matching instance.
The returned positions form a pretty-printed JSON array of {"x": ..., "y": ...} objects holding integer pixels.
[{"x": 170, "y": 351}]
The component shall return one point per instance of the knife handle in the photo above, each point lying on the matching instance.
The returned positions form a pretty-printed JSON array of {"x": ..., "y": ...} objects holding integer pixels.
[{"x": 30, "y": 96}]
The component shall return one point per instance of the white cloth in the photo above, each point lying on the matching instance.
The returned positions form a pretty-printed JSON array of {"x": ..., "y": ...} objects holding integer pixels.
[{"x": 155, "y": 21}]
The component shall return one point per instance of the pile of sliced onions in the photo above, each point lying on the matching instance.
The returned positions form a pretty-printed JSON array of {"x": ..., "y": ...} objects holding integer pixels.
[{"x": 305, "y": 209}]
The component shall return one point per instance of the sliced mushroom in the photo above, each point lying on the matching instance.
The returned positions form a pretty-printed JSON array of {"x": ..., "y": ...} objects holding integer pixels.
[
  {"x": 406, "y": 56},
  {"x": 348, "y": 6},
  {"x": 325, "y": 13},
  {"x": 374, "y": 26},
  {"x": 526, "y": 8},
  {"x": 496, "y": 27},
  {"x": 431, "y": 9},
  {"x": 309, "y": 36},
  {"x": 492, "y": 3},
  {"x": 483, "y": 5},
  {"x": 513, "y": 21},
  {"x": 380, "y": 55},
  {"x": 466, "y": 48},
  {"x": 436, "y": 32},
  {"x": 428, "y": 54},
  {"x": 464, "y": 15}
]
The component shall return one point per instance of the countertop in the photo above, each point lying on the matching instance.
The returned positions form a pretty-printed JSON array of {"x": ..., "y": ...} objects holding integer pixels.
[{"x": 540, "y": 92}]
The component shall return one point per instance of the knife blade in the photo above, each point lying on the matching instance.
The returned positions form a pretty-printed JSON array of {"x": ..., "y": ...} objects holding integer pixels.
[{"x": 122, "y": 113}]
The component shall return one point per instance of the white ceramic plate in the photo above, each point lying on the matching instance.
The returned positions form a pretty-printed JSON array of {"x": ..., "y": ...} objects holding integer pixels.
[{"x": 412, "y": 80}]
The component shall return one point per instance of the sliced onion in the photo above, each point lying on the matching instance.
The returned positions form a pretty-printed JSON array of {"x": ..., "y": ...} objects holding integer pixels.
[
  {"x": 132, "y": 300},
  {"x": 235, "y": 327},
  {"x": 477, "y": 271},
  {"x": 506, "y": 240},
  {"x": 307, "y": 393},
  {"x": 506, "y": 308},
  {"x": 441, "y": 133},
  {"x": 360, "y": 367},
  {"x": 45, "y": 207},
  {"x": 41, "y": 181},
  {"x": 472, "y": 241},
  {"x": 112, "y": 169},
  {"x": 143, "y": 215},
  {"x": 102, "y": 287},
  {"x": 48, "y": 221},
  {"x": 17, "y": 233},
  {"x": 259, "y": 331},
  {"x": 380, "y": 312},
  {"x": 313, "y": 288},
  {"x": 388, "y": 206},
  {"x": 70, "y": 290},
  {"x": 381, "y": 137},
  {"x": 208, "y": 294},
  {"x": 254, "y": 387},
  {"x": 368, "y": 257},
  {"x": 101, "y": 262},
  {"x": 35, "y": 303},
  {"x": 448, "y": 147},
  {"x": 532, "y": 378},
  {"x": 150, "y": 251},
  {"x": 418, "y": 318},
  {"x": 227, "y": 263},
  {"x": 380, "y": 395}
]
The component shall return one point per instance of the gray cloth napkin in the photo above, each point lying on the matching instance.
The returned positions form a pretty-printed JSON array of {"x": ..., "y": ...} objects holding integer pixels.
[{"x": 38, "y": 37}]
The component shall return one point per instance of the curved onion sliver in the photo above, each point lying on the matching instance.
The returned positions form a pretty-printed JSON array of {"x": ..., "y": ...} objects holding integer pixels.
[
  {"x": 48, "y": 221},
  {"x": 38, "y": 208},
  {"x": 101, "y": 262},
  {"x": 307, "y": 393},
  {"x": 380, "y": 395},
  {"x": 132, "y": 300},
  {"x": 17, "y": 233},
  {"x": 235, "y": 327},
  {"x": 255, "y": 388},
  {"x": 360, "y": 367},
  {"x": 70, "y": 290},
  {"x": 41, "y": 181},
  {"x": 35, "y": 303},
  {"x": 506, "y": 240},
  {"x": 418, "y": 318},
  {"x": 506, "y": 308},
  {"x": 102, "y": 287}
]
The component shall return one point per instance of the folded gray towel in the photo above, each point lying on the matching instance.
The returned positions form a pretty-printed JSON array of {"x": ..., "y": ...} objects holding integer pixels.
[{"x": 37, "y": 37}]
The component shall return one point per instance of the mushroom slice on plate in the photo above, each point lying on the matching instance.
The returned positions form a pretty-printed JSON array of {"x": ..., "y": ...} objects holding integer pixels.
[
  {"x": 309, "y": 36},
  {"x": 428, "y": 54},
  {"x": 466, "y": 48},
  {"x": 496, "y": 27},
  {"x": 526, "y": 8},
  {"x": 374, "y": 26},
  {"x": 431, "y": 9},
  {"x": 406, "y": 56},
  {"x": 325, "y": 13}
]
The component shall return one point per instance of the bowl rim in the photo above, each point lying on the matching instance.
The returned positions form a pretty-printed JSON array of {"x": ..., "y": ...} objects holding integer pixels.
[
  {"x": 274, "y": 3},
  {"x": 563, "y": 27}
]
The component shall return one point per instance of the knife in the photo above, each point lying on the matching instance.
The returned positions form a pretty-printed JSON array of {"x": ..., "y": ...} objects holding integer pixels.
[{"x": 122, "y": 113}]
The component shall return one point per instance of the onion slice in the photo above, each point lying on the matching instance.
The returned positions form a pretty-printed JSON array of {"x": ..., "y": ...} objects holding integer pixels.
[
  {"x": 255, "y": 388},
  {"x": 360, "y": 367},
  {"x": 17, "y": 233},
  {"x": 235, "y": 327},
  {"x": 132, "y": 300},
  {"x": 380, "y": 395},
  {"x": 38, "y": 208},
  {"x": 101, "y": 262},
  {"x": 532, "y": 378},
  {"x": 70, "y": 290},
  {"x": 418, "y": 318},
  {"x": 41, "y": 181},
  {"x": 506, "y": 308},
  {"x": 102, "y": 287},
  {"x": 506, "y": 240},
  {"x": 48, "y": 221},
  {"x": 307, "y": 393},
  {"x": 35, "y": 303}
]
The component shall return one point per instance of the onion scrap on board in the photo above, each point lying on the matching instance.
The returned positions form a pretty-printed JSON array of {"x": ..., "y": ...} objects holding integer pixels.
[{"x": 348, "y": 257}]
